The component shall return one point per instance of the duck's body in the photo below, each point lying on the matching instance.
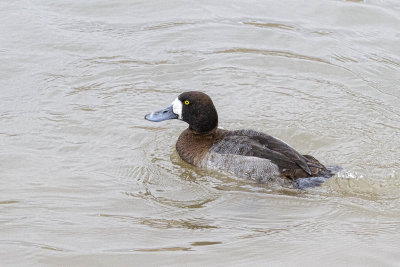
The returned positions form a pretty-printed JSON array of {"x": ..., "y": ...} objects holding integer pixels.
[
  {"x": 245, "y": 153},
  {"x": 248, "y": 154}
]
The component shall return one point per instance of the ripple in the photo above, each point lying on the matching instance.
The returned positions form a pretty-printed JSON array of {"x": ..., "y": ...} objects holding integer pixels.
[
  {"x": 7, "y": 202},
  {"x": 164, "y": 249},
  {"x": 205, "y": 243},
  {"x": 32, "y": 244},
  {"x": 271, "y": 25},
  {"x": 278, "y": 53},
  {"x": 166, "y": 25},
  {"x": 192, "y": 224}
]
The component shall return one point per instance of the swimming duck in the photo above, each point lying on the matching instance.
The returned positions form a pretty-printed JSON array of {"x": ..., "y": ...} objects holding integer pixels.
[{"x": 244, "y": 153}]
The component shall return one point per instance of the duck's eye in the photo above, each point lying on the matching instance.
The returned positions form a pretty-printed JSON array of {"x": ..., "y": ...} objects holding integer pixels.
[{"x": 187, "y": 102}]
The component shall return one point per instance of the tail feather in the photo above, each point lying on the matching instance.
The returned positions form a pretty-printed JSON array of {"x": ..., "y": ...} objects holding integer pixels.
[{"x": 310, "y": 182}]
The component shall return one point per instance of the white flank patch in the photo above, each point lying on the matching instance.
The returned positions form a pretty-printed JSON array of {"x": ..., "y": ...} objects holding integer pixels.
[
  {"x": 177, "y": 108},
  {"x": 252, "y": 168}
]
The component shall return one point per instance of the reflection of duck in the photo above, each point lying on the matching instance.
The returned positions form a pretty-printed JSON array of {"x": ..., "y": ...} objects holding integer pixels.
[{"x": 245, "y": 153}]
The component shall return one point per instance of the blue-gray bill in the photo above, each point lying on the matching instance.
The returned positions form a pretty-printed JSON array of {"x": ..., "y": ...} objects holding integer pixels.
[{"x": 161, "y": 115}]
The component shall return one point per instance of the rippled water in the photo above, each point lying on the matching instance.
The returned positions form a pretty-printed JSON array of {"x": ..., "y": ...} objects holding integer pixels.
[{"x": 86, "y": 181}]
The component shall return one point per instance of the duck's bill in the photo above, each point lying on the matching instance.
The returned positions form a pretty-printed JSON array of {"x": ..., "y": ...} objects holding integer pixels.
[{"x": 161, "y": 115}]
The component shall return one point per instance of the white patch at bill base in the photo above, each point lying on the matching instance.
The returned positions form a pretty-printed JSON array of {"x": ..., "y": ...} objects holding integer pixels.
[{"x": 177, "y": 108}]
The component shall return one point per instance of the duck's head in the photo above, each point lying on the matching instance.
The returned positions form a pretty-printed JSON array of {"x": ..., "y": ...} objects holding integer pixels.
[{"x": 195, "y": 108}]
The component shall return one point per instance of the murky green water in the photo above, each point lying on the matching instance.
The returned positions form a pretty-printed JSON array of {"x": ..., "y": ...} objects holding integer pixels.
[{"x": 86, "y": 181}]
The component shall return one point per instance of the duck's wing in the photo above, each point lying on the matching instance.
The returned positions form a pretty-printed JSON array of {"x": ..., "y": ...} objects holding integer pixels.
[{"x": 256, "y": 144}]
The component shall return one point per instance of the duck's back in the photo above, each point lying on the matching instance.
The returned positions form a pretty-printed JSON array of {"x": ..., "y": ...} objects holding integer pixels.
[{"x": 260, "y": 157}]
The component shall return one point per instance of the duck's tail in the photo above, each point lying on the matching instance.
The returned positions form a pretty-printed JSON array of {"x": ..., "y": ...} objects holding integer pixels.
[
  {"x": 320, "y": 174},
  {"x": 317, "y": 169}
]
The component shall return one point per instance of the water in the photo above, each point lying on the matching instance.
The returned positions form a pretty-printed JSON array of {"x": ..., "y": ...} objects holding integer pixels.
[{"x": 86, "y": 181}]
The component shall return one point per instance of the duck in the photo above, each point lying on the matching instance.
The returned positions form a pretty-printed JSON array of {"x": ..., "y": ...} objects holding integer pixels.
[{"x": 244, "y": 153}]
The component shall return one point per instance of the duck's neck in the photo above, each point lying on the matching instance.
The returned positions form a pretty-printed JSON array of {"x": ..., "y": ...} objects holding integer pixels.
[{"x": 211, "y": 132}]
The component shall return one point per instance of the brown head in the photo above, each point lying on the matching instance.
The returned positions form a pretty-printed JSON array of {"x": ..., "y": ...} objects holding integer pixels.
[{"x": 195, "y": 108}]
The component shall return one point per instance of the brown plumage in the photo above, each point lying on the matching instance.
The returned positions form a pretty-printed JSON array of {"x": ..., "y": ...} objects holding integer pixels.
[{"x": 192, "y": 146}]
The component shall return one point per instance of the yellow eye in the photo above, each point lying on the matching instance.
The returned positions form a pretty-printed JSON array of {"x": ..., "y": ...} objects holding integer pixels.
[{"x": 187, "y": 102}]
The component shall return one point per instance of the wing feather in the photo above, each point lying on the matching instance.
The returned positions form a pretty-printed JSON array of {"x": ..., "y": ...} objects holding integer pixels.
[{"x": 256, "y": 144}]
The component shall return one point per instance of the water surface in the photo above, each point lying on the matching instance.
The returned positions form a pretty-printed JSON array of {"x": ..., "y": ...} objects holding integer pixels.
[{"x": 86, "y": 181}]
